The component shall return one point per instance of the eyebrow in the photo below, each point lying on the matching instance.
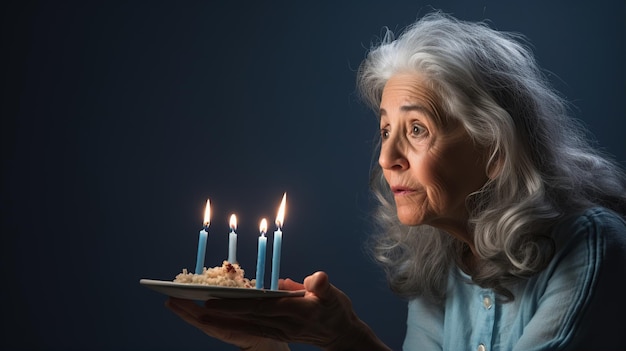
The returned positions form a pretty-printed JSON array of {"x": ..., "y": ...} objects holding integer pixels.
[{"x": 408, "y": 108}]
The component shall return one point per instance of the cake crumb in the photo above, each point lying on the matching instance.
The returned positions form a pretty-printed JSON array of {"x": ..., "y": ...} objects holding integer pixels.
[{"x": 228, "y": 274}]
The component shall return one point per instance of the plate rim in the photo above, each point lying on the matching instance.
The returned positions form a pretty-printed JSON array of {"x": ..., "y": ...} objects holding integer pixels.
[{"x": 254, "y": 292}]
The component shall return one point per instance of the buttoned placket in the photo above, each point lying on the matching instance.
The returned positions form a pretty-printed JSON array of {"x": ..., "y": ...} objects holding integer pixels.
[{"x": 485, "y": 320}]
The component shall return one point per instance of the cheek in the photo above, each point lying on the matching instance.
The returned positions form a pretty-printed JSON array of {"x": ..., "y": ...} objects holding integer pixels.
[
  {"x": 459, "y": 173},
  {"x": 430, "y": 170},
  {"x": 386, "y": 175},
  {"x": 435, "y": 182}
]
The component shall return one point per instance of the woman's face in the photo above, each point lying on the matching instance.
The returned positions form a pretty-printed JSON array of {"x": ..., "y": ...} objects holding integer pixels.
[{"x": 431, "y": 168}]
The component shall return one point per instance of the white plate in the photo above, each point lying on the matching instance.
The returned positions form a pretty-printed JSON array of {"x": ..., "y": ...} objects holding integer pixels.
[{"x": 205, "y": 292}]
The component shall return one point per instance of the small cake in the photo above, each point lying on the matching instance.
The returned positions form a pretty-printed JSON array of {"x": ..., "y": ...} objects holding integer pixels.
[{"x": 230, "y": 275}]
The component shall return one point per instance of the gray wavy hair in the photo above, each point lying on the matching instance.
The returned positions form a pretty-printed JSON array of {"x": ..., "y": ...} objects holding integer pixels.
[{"x": 547, "y": 166}]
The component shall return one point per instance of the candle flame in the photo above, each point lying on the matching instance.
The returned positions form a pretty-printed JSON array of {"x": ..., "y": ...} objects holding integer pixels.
[
  {"x": 207, "y": 214},
  {"x": 233, "y": 222},
  {"x": 280, "y": 218},
  {"x": 263, "y": 226}
]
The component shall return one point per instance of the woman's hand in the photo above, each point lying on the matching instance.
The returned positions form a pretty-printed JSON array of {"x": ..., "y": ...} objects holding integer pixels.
[
  {"x": 322, "y": 317},
  {"x": 197, "y": 316}
]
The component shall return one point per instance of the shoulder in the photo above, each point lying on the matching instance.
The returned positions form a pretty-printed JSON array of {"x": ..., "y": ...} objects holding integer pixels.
[
  {"x": 593, "y": 219},
  {"x": 590, "y": 259},
  {"x": 590, "y": 246},
  {"x": 596, "y": 227}
]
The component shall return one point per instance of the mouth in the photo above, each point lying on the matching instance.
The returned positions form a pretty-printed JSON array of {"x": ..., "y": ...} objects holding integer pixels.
[{"x": 401, "y": 190}]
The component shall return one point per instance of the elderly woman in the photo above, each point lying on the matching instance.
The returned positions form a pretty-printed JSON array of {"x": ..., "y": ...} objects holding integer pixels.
[{"x": 499, "y": 223}]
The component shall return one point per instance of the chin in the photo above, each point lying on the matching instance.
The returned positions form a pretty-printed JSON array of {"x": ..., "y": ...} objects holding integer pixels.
[
  {"x": 411, "y": 223},
  {"x": 410, "y": 217}
]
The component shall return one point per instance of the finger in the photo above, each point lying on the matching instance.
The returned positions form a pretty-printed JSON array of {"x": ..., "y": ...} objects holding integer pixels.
[
  {"x": 187, "y": 310},
  {"x": 288, "y": 284},
  {"x": 228, "y": 327},
  {"x": 220, "y": 326},
  {"x": 264, "y": 308},
  {"x": 182, "y": 305},
  {"x": 277, "y": 328},
  {"x": 318, "y": 284}
]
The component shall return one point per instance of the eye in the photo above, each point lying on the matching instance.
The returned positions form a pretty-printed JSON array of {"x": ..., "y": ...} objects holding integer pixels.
[
  {"x": 384, "y": 133},
  {"x": 418, "y": 130}
]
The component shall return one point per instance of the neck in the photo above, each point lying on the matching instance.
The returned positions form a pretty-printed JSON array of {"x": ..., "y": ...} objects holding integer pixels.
[{"x": 469, "y": 262}]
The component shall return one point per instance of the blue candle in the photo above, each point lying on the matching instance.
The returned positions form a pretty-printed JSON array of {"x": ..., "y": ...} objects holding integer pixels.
[
  {"x": 278, "y": 240},
  {"x": 260, "y": 260},
  {"x": 232, "y": 240},
  {"x": 204, "y": 234}
]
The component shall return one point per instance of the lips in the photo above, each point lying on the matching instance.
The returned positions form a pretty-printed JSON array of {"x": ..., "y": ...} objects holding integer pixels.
[{"x": 401, "y": 190}]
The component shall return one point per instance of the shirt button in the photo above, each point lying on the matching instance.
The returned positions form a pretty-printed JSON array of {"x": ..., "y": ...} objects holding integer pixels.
[
  {"x": 487, "y": 302},
  {"x": 482, "y": 347}
]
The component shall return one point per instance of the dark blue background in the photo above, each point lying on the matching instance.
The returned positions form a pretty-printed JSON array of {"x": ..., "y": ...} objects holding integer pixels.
[{"x": 119, "y": 119}]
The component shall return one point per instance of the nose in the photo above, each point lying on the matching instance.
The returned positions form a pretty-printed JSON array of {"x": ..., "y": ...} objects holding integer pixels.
[{"x": 391, "y": 156}]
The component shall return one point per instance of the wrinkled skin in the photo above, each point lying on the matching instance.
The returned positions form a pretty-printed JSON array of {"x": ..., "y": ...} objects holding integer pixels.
[{"x": 322, "y": 317}]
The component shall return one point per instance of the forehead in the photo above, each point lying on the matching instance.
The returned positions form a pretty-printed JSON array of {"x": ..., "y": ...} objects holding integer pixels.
[
  {"x": 409, "y": 89},
  {"x": 405, "y": 84}
]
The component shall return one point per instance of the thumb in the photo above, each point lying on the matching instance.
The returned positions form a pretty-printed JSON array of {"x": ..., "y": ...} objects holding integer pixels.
[{"x": 318, "y": 284}]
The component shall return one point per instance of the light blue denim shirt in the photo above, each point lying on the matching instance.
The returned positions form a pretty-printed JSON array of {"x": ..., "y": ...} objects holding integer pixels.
[{"x": 576, "y": 303}]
